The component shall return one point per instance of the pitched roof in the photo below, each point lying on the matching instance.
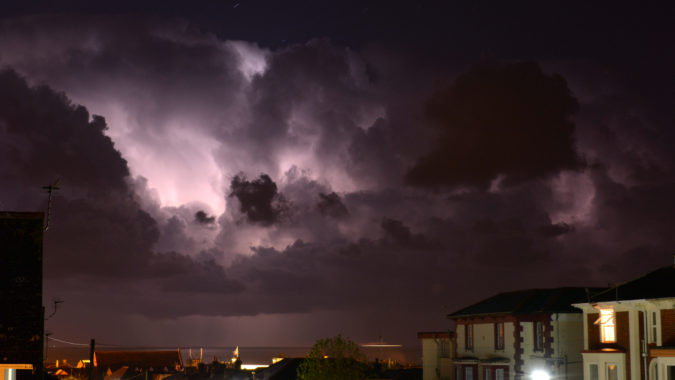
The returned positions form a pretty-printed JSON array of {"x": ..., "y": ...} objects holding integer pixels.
[
  {"x": 532, "y": 301},
  {"x": 142, "y": 359},
  {"x": 657, "y": 284},
  {"x": 286, "y": 369}
]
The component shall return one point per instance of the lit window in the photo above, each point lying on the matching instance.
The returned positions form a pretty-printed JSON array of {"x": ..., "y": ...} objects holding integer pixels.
[
  {"x": 607, "y": 326},
  {"x": 499, "y": 336},
  {"x": 612, "y": 372}
]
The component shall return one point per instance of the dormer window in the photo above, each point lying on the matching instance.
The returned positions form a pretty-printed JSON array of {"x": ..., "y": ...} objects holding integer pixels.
[{"x": 607, "y": 326}]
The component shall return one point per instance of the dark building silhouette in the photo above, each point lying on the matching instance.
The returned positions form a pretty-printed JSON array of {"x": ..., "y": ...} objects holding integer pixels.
[{"x": 21, "y": 312}]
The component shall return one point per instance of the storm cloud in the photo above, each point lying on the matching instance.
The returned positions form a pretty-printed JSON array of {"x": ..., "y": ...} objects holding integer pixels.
[
  {"x": 392, "y": 177},
  {"x": 259, "y": 199},
  {"x": 499, "y": 119},
  {"x": 95, "y": 215},
  {"x": 331, "y": 205}
]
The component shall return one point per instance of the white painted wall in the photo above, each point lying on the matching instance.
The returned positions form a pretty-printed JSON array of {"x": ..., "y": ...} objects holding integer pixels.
[{"x": 435, "y": 367}]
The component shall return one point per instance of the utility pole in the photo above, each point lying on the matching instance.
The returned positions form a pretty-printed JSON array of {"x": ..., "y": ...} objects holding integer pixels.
[
  {"x": 92, "y": 345},
  {"x": 47, "y": 334}
]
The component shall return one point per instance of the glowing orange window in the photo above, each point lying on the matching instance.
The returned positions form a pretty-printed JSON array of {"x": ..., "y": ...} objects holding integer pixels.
[{"x": 607, "y": 326}]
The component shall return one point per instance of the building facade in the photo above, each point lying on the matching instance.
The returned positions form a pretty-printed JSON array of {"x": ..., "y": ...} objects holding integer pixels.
[
  {"x": 629, "y": 330},
  {"x": 519, "y": 334},
  {"x": 21, "y": 312},
  {"x": 438, "y": 348}
]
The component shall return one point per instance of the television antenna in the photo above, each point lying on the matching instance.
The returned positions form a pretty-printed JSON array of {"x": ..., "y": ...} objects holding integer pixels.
[
  {"x": 50, "y": 189},
  {"x": 56, "y": 305}
]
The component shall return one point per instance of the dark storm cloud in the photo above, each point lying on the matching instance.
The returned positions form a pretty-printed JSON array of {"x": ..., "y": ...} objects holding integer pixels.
[
  {"x": 499, "y": 119},
  {"x": 638, "y": 218},
  {"x": 397, "y": 234},
  {"x": 98, "y": 228},
  {"x": 42, "y": 140},
  {"x": 203, "y": 218},
  {"x": 322, "y": 118},
  {"x": 331, "y": 205},
  {"x": 557, "y": 229},
  {"x": 259, "y": 199},
  {"x": 179, "y": 273}
]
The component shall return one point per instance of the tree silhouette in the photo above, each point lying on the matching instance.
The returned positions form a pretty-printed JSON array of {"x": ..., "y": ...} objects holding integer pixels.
[{"x": 335, "y": 358}]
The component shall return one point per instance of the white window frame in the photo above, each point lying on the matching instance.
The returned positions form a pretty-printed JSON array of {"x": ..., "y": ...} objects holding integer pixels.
[
  {"x": 468, "y": 370},
  {"x": 607, "y": 324},
  {"x": 499, "y": 373},
  {"x": 590, "y": 371},
  {"x": 616, "y": 366}
]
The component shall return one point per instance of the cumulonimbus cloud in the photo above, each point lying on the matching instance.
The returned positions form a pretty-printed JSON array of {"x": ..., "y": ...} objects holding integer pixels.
[{"x": 499, "y": 119}]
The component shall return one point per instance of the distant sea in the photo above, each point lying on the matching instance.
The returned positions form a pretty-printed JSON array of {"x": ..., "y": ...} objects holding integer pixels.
[{"x": 249, "y": 355}]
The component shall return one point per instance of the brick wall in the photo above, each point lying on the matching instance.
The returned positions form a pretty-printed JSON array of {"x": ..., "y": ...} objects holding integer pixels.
[
  {"x": 668, "y": 327},
  {"x": 623, "y": 336},
  {"x": 593, "y": 331}
]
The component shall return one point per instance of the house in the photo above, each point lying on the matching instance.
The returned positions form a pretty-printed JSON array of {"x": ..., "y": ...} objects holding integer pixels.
[
  {"x": 523, "y": 333},
  {"x": 115, "y": 365},
  {"x": 629, "y": 330},
  {"x": 438, "y": 348}
]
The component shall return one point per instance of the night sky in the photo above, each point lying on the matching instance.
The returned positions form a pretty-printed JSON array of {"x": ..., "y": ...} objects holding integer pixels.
[{"x": 253, "y": 173}]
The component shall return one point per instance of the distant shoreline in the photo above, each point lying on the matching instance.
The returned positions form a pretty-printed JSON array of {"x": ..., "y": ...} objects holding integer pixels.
[{"x": 249, "y": 355}]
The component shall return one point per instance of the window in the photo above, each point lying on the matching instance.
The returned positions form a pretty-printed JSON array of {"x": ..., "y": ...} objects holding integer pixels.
[
  {"x": 593, "y": 372},
  {"x": 444, "y": 349},
  {"x": 499, "y": 374},
  {"x": 458, "y": 372},
  {"x": 468, "y": 373},
  {"x": 499, "y": 336},
  {"x": 670, "y": 372},
  {"x": 612, "y": 372},
  {"x": 468, "y": 337},
  {"x": 487, "y": 373},
  {"x": 607, "y": 326},
  {"x": 654, "y": 325},
  {"x": 538, "y": 336}
]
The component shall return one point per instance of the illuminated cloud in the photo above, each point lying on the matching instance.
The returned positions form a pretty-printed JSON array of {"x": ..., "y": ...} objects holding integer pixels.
[{"x": 153, "y": 211}]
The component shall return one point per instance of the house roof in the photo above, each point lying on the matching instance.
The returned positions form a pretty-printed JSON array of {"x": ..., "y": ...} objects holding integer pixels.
[
  {"x": 143, "y": 359},
  {"x": 435, "y": 335},
  {"x": 656, "y": 284},
  {"x": 532, "y": 301},
  {"x": 286, "y": 369}
]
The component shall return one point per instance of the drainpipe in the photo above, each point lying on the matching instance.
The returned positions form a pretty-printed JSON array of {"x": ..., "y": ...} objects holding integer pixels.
[
  {"x": 644, "y": 343},
  {"x": 438, "y": 358},
  {"x": 557, "y": 339}
]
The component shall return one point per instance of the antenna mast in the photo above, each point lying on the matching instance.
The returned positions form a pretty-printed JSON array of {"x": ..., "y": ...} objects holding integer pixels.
[{"x": 50, "y": 189}]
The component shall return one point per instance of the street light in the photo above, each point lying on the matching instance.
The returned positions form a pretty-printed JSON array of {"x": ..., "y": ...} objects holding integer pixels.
[{"x": 540, "y": 374}]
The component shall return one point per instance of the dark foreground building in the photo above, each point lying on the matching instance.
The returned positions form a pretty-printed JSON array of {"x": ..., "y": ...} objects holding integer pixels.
[{"x": 21, "y": 312}]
